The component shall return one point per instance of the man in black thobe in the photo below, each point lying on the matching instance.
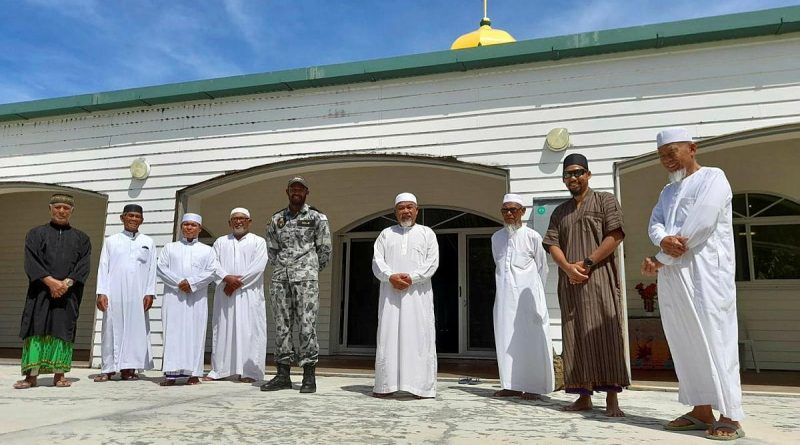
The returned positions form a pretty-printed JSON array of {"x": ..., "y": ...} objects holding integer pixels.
[{"x": 57, "y": 265}]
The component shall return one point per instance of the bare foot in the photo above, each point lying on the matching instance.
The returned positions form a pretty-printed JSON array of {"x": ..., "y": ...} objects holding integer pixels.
[
  {"x": 382, "y": 395},
  {"x": 612, "y": 406},
  {"x": 584, "y": 403},
  {"x": 507, "y": 393},
  {"x": 193, "y": 381},
  {"x": 530, "y": 396}
]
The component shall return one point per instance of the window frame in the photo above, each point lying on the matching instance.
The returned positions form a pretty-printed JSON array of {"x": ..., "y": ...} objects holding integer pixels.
[{"x": 750, "y": 221}]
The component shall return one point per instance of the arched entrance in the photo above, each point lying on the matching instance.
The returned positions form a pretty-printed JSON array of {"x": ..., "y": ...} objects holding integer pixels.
[
  {"x": 463, "y": 286},
  {"x": 350, "y": 190},
  {"x": 26, "y": 206}
]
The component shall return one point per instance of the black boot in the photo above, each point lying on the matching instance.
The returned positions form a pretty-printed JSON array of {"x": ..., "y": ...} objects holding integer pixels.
[
  {"x": 309, "y": 379},
  {"x": 280, "y": 381}
]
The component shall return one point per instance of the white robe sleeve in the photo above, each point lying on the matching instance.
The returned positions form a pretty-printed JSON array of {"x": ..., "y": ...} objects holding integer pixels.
[
  {"x": 380, "y": 268},
  {"x": 429, "y": 265},
  {"x": 150, "y": 289},
  {"x": 219, "y": 272},
  {"x": 164, "y": 272},
  {"x": 540, "y": 256},
  {"x": 702, "y": 220},
  {"x": 657, "y": 227},
  {"x": 205, "y": 276},
  {"x": 703, "y": 217},
  {"x": 103, "y": 277},
  {"x": 255, "y": 270}
]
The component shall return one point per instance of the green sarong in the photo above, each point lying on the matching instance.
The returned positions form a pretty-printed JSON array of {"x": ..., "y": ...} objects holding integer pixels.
[{"x": 47, "y": 353}]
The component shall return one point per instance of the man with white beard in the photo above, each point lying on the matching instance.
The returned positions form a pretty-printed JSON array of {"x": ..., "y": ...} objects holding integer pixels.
[
  {"x": 692, "y": 224},
  {"x": 521, "y": 322},
  {"x": 126, "y": 287},
  {"x": 406, "y": 257},
  {"x": 187, "y": 268},
  {"x": 239, "y": 321}
]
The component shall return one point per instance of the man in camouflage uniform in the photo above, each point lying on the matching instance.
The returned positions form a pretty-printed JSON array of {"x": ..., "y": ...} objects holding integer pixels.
[{"x": 299, "y": 247}]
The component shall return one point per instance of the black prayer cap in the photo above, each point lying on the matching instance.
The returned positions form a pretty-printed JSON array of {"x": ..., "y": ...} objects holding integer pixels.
[
  {"x": 576, "y": 159},
  {"x": 132, "y": 208}
]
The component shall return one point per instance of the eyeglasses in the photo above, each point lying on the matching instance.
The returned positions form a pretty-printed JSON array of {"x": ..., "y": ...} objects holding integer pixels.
[
  {"x": 510, "y": 209},
  {"x": 574, "y": 173}
]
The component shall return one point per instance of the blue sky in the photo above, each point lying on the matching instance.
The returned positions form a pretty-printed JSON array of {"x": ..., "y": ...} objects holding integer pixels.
[{"x": 52, "y": 48}]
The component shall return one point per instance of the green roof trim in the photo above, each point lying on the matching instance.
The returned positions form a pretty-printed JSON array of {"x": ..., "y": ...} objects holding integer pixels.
[{"x": 733, "y": 26}]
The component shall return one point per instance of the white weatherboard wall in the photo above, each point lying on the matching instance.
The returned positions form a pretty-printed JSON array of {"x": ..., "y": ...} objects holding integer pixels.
[{"x": 612, "y": 105}]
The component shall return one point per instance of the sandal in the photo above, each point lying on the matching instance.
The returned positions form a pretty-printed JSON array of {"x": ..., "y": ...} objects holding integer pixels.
[
  {"x": 62, "y": 383},
  {"x": 24, "y": 384},
  {"x": 738, "y": 432},
  {"x": 193, "y": 381},
  {"x": 167, "y": 382},
  {"x": 695, "y": 425},
  {"x": 104, "y": 377},
  {"x": 246, "y": 380}
]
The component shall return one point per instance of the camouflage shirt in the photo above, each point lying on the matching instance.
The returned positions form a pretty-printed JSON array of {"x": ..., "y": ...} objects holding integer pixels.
[{"x": 299, "y": 246}]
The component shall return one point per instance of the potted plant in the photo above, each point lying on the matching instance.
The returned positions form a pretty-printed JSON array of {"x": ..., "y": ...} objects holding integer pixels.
[{"x": 649, "y": 296}]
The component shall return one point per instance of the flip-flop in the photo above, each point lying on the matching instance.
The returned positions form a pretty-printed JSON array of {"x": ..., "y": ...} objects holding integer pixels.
[
  {"x": 738, "y": 433},
  {"x": 24, "y": 384},
  {"x": 696, "y": 425}
]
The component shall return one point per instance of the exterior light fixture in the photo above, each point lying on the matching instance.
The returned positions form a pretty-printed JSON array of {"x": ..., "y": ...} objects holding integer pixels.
[
  {"x": 558, "y": 139},
  {"x": 140, "y": 169}
]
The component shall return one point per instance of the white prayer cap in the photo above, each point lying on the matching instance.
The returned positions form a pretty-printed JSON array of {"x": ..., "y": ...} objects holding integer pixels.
[
  {"x": 241, "y": 210},
  {"x": 405, "y": 197},
  {"x": 674, "y": 134},
  {"x": 192, "y": 217},
  {"x": 513, "y": 197}
]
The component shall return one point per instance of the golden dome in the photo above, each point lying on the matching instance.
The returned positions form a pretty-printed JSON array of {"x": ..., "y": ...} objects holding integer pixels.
[{"x": 483, "y": 36}]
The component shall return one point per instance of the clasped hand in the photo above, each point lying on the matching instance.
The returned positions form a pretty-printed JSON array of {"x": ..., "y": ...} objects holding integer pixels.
[
  {"x": 674, "y": 245},
  {"x": 232, "y": 282},
  {"x": 400, "y": 281}
]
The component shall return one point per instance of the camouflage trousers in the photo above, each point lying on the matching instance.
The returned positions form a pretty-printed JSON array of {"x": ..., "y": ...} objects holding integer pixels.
[{"x": 295, "y": 303}]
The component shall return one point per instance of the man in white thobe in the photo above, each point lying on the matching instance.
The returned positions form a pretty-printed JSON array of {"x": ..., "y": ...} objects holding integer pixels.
[
  {"x": 406, "y": 257},
  {"x": 126, "y": 287},
  {"x": 186, "y": 267},
  {"x": 239, "y": 320},
  {"x": 692, "y": 224},
  {"x": 521, "y": 321}
]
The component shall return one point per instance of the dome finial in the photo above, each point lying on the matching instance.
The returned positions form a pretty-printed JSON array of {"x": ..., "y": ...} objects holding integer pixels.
[{"x": 485, "y": 35}]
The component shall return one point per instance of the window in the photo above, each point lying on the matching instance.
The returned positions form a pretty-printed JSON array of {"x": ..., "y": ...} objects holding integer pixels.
[{"x": 767, "y": 237}]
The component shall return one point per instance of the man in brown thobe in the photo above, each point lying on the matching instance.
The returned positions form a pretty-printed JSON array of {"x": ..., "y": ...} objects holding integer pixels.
[{"x": 583, "y": 234}]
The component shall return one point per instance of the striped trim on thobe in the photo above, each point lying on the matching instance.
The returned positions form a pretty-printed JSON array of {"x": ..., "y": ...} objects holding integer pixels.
[{"x": 591, "y": 312}]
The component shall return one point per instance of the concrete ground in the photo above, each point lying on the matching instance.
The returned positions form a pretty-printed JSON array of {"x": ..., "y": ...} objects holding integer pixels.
[{"x": 141, "y": 412}]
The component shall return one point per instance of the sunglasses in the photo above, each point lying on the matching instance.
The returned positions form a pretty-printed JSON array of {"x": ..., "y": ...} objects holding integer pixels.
[
  {"x": 510, "y": 209},
  {"x": 574, "y": 173}
]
